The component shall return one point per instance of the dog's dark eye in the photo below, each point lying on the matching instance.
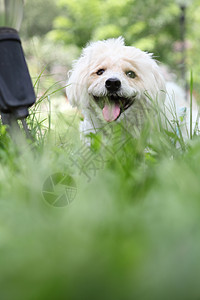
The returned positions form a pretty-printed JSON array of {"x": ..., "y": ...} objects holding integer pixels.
[
  {"x": 100, "y": 71},
  {"x": 131, "y": 74}
]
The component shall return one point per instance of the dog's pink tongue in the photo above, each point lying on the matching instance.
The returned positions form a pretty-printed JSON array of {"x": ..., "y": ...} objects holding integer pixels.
[{"x": 111, "y": 112}]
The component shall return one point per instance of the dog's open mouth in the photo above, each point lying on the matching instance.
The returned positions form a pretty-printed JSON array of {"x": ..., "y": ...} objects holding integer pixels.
[{"x": 113, "y": 106}]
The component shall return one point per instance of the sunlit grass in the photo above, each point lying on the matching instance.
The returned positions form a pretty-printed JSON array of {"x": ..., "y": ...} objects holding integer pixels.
[{"x": 132, "y": 231}]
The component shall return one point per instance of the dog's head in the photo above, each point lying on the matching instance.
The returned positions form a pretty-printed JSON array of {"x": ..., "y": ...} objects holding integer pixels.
[{"x": 114, "y": 77}]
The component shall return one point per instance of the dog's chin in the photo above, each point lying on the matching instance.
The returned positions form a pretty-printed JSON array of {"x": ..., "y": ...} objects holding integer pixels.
[{"x": 113, "y": 105}]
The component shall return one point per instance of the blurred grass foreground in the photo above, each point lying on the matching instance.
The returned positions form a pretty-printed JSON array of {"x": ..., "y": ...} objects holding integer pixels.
[{"x": 119, "y": 220}]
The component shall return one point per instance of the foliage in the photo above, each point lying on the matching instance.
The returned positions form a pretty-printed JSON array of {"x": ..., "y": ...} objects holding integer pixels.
[
  {"x": 193, "y": 26},
  {"x": 38, "y": 17},
  {"x": 151, "y": 25},
  {"x": 132, "y": 231}
]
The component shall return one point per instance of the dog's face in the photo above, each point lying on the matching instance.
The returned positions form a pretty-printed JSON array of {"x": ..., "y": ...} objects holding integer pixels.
[{"x": 113, "y": 77}]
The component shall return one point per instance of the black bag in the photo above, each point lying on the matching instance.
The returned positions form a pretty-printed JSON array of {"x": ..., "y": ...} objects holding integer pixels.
[{"x": 16, "y": 89}]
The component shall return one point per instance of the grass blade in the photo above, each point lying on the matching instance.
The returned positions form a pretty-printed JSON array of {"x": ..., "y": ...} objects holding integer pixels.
[{"x": 191, "y": 90}]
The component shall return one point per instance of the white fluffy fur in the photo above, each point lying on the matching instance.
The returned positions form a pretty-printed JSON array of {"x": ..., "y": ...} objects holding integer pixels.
[{"x": 116, "y": 58}]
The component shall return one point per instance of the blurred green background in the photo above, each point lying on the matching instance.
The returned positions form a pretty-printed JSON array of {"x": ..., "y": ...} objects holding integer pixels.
[{"x": 55, "y": 31}]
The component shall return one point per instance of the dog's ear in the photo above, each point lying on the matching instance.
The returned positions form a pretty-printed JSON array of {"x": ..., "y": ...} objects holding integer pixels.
[
  {"x": 158, "y": 85},
  {"x": 76, "y": 89},
  {"x": 153, "y": 79}
]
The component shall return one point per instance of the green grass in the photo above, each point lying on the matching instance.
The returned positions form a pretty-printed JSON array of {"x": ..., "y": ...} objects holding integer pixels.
[{"x": 132, "y": 231}]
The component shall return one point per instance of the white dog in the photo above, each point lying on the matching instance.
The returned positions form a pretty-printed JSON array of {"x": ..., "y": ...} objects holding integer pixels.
[{"x": 111, "y": 81}]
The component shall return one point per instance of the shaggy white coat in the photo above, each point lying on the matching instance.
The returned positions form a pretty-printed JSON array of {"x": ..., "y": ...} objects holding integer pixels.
[{"x": 116, "y": 60}]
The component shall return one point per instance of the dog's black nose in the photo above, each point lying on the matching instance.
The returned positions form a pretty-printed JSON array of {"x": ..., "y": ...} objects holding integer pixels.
[{"x": 113, "y": 84}]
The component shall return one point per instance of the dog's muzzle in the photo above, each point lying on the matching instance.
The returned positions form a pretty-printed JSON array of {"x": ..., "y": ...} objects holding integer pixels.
[{"x": 113, "y": 105}]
